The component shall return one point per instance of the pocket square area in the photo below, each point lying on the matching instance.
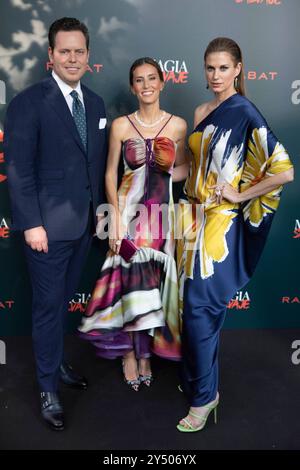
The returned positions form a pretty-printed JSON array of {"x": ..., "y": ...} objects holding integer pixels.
[{"x": 102, "y": 123}]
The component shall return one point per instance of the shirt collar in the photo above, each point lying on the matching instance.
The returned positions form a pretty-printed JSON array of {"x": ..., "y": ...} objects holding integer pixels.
[{"x": 65, "y": 88}]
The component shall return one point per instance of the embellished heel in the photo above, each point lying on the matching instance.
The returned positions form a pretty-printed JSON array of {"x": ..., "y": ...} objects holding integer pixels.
[
  {"x": 133, "y": 384},
  {"x": 146, "y": 380}
]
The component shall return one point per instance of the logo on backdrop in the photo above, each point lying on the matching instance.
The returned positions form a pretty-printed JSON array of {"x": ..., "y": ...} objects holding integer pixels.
[
  {"x": 2, "y": 92},
  {"x": 4, "y": 228},
  {"x": 6, "y": 304},
  {"x": 241, "y": 301},
  {"x": 2, "y": 177},
  {"x": 295, "y": 357},
  {"x": 260, "y": 75},
  {"x": 79, "y": 302},
  {"x": 290, "y": 300},
  {"x": 174, "y": 70},
  {"x": 295, "y": 96},
  {"x": 260, "y": 2},
  {"x": 297, "y": 229},
  {"x": 95, "y": 68}
]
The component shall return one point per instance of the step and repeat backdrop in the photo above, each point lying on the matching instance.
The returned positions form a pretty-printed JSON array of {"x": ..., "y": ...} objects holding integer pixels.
[{"x": 175, "y": 33}]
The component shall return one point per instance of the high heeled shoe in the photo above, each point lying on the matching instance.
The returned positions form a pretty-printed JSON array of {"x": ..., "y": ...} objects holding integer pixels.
[
  {"x": 203, "y": 418},
  {"x": 134, "y": 384},
  {"x": 146, "y": 379}
]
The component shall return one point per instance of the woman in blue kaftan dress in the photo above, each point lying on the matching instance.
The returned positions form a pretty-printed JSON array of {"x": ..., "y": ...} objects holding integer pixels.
[{"x": 226, "y": 210}]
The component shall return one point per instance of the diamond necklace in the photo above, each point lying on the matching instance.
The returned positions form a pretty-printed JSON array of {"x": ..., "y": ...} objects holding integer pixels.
[{"x": 144, "y": 124}]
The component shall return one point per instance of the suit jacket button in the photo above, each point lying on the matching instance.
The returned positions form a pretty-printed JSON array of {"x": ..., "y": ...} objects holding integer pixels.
[{"x": 87, "y": 187}]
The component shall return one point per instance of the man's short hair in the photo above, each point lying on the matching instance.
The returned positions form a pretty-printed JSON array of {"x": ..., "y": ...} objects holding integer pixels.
[{"x": 67, "y": 24}]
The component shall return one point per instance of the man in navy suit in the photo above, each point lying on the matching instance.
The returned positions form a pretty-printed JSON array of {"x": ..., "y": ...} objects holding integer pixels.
[{"x": 55, "y": 149}]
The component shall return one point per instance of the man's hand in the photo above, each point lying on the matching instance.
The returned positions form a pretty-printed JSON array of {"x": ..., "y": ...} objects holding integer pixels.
[{"x": 37, "y": 239}]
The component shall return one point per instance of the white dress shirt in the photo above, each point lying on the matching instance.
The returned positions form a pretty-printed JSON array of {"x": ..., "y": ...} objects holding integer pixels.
[{"x": 67, "y": 89}]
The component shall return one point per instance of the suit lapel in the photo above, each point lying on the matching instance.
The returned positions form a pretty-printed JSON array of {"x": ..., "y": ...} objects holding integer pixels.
[{"x": 56, "y": 99}]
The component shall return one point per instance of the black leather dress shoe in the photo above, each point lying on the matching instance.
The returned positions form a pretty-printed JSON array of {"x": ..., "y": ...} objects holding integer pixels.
[
  {"x": 52, "y": 410},
  {"x": 71, "y": 378}
]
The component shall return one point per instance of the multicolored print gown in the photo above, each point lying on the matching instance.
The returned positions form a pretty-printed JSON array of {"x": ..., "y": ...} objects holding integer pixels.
[
  {"x": 141, "y": 295},
  {"x": 233, "y": 144}
]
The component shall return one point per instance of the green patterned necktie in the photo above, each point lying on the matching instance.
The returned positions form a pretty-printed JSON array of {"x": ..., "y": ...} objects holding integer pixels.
[{"x": 79, "y": 117}]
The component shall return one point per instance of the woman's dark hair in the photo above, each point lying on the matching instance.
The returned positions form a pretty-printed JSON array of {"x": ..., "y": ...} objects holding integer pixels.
[
  {"x": 142, "y": 61},
  {"x": 230, "y": 46},
  {"x": 67, "y": 24}
]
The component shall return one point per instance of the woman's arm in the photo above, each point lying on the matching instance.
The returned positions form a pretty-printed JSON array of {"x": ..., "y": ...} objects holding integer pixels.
[
  {"x": 181, "y": 170},
  {"x": 113, "y": 159},
  {"x": 265, "y": 186},
  {"x": 116, "y": 229},
  {"x": 183, "y": 157}
]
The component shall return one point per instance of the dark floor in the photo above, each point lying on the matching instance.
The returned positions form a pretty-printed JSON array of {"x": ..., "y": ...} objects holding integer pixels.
[{"x": 259, "y": 400}]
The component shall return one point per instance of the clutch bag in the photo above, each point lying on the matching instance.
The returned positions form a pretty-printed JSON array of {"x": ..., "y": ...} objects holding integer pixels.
[{"x": 127, "y": 249}]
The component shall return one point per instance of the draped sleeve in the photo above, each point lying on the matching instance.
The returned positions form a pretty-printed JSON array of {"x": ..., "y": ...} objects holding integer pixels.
[{"x": 265, "y": 157}]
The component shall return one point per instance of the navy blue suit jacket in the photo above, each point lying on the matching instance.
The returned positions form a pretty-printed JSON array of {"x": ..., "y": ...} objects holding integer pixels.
[{"x": 51, "y": 179}]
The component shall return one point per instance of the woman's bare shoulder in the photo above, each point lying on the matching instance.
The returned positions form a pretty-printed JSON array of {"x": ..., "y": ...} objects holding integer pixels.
[
  {"x": 120, "y": 121},
  {"x": 201, "y": 112},
  {"x": 120, "y": 127},
  {"x": 180, "y": 123}
]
